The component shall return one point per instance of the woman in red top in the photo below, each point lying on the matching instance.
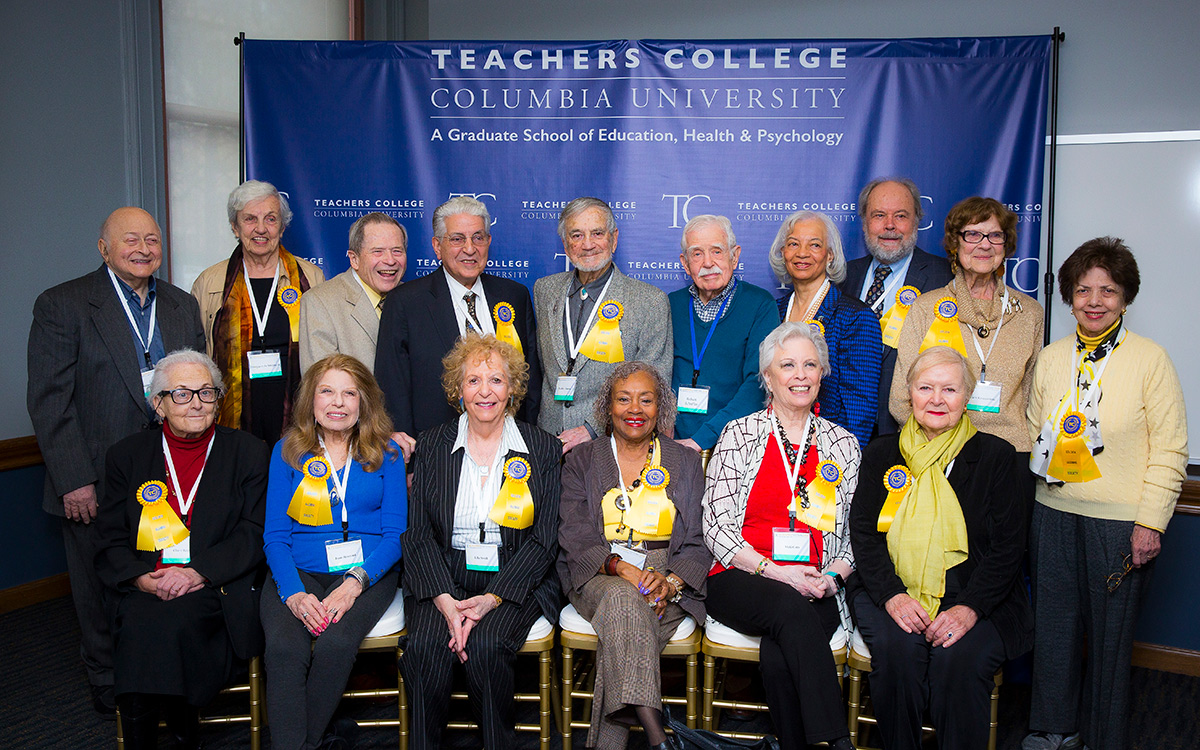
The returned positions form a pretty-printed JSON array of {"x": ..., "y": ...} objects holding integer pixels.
[{"x": 776, "y": 507}]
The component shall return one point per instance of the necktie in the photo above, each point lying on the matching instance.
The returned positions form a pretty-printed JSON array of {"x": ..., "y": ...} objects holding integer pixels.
[
  {"x": 469, "y": 298},
  {"x": 876, "y": 290},
  {"x": 379, "y": 307}
]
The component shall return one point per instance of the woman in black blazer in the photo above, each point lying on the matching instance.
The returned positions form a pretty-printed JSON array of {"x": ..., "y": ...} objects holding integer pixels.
[
  {"x": 938, "y": 528},
  {"x": 181, "y": 526},
  {"x": 480, "y": 544}
]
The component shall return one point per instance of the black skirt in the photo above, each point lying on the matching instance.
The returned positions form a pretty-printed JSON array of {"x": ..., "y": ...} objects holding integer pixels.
[{"x": 177, "y": 647}]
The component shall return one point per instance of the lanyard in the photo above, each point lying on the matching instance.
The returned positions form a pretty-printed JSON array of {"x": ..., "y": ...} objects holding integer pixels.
[
  {"x": 889, "y": 286},
  {"x": 261, "y": 321},
  {"x": 587, "y": 326},
  {"x": 975, "y": 338},
  {"x": 792, "y": 472},
  {"x": 1099, "y": 371},
  {"x": 697, "y": 356},
  {"x": 145, "y": 342},
  {"x": 340, "y": 486},
  {"x": 816, "y": 303},
  {"x": 185, "y": 505}
]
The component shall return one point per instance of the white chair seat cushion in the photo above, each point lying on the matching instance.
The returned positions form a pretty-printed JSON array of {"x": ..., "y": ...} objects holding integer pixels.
[
  {"x": 540, "y": 630},
  {"x": 718, "y": 632},
  {"x": 392, "y": 619},
  {"x": 570, "y": 620},
  {"x": 859, "y": 646}
]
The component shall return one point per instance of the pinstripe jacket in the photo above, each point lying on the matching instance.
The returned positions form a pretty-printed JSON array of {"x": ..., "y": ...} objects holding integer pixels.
[{"x": 734, "y": 467}]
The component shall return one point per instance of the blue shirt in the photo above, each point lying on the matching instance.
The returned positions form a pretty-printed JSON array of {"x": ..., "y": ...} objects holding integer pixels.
[
  {"x": 142, "y": 317},
  {"x": 376, "y": 509},
  {"x": 891, "y": 284}
]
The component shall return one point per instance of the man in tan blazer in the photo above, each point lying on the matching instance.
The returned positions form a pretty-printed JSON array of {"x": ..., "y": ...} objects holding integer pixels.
[{"x": 342, "y": 315}]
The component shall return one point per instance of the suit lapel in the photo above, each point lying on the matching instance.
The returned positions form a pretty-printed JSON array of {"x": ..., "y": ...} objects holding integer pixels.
[
  {"x": 441, "y": 310},
  {"x": 113, "y": 329},
  {"x": 452, "y": 469},
  {"x": 360, "y": 308},
  {"x": 555, "y": 321}
]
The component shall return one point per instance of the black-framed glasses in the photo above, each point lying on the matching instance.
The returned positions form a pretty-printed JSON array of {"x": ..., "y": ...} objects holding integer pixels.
[
  {"x": 183, "y": 396},
  {"x": 1114, "y": 579},
  {"x": 974, "y": 237}
]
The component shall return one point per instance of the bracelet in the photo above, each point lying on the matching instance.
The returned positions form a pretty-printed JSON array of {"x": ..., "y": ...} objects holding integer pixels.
[
  {"x": 496, "y": 596},
  {"x": 610, "y": 564},
  {"x": 762, "y": 566},
  {"x": 360, "y": 575},
  {"x": 837, "y": 578},
  {"x": 678, "y": 584}
]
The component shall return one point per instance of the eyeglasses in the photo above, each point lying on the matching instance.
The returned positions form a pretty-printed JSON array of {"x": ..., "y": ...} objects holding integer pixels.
[
  {"x": 459, "y": 241},
  {"x": 1114, "y": 579},
  {"x": 183, "y": 396},
  {"x": 973, "y": 237}
]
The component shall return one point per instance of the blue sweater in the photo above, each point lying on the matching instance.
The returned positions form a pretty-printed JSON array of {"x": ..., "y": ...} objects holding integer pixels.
[
  {"x": 850, "y": 392},
  {"x": 729, "y": 366},
  {"x": 376, "y": 509}
]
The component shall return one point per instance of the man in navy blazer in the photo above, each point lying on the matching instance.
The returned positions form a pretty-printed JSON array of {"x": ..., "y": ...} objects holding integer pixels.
[
  {"x": 93, "y": 338},
  {"x": 423, "y": 319},
  {"x": 890, "y": 209}
]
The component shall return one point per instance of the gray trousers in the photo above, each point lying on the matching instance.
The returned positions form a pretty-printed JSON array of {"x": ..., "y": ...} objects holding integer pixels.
[
  {"x": 1072, "y": 557},
  {"x": 306, "y": 675},
  {"x": 87, "y": 592}
]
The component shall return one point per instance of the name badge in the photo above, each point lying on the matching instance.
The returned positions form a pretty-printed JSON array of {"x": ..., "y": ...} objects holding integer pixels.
[
  {"x": 341, "y": 556},
  {"x": 564, "y": 389},
  {"x": 179, "y": 554},
  {"x": 483, "y": 557},
  {"x": 632, "y": 556},
  {"x": 147, "y": 376},
  {"x": 264, "y": 365},
  {"x": 986, "y": 397},
  {"x": 790, "y": 546},
  {"x": 693, "y": 400}
]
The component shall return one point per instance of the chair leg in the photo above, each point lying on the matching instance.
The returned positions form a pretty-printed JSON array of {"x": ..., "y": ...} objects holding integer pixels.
[
  {"x": 995, "y": 719},
  {"x": 257, "y": 705},
  {"x": 568, "y": 687},
  {"x": 710, "y": 678},
  {"x": 692, "y": 687},
  {"x": 544, "y": 699},
  {"x": 401, "y": 703},
  {"x": 854, "y": 704}
]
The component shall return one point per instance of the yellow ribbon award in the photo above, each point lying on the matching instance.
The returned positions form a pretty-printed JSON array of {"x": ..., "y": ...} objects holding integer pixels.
[
  {"x": 893, "y": 322},
  {"x": 817, "y": 327},
  {"x": 514, "y": 505},
  {"x": 944, "y": 330},
  {"x": 289, "y": 299},
  {"x": 603, "y": 342},
  {"x": 1072, "y": 460},
  {"x": 503, "y": 313},
  {"x": 896, "y": 482},
  {"x": 159, "y": 526},
  {"x": 821, "y": 512},
  {"x": 310, "y": 501},
  {"x": 656, "y": 513}
]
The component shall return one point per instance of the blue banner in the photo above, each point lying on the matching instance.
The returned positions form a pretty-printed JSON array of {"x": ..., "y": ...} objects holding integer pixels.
[{"x": 662, "y": 130}]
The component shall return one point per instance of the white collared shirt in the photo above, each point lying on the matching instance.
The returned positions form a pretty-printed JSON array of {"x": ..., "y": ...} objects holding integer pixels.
[
  {"x": 478, "y": 486},
  {"x": 482, "y": 311},
  {"x": 891, "y": 284}
]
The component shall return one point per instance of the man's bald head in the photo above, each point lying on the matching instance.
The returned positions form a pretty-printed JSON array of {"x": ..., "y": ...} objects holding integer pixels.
[{"x": 131, "y": 245}]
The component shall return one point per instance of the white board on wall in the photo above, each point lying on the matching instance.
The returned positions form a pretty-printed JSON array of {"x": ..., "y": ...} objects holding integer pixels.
[{"x": 1144, "y": 188}]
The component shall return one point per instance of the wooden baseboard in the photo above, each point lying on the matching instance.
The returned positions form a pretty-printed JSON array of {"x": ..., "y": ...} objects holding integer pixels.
[
  {"x": 1166, "y": 659},
  {"x": 18, "y": 453},
  {"x": 34, "y": 592}
]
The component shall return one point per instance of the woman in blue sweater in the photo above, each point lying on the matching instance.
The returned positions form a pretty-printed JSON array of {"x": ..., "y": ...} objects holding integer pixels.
[{"x": 336, "y": 506}]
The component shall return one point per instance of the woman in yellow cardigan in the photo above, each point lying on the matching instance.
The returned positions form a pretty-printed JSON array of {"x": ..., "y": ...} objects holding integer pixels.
[{"x": 1106, "y": 416}]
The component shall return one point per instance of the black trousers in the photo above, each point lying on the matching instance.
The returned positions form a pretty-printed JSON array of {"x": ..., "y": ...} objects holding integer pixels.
[
  {"x": 798, "y": 673},
  {"x": 909, "y": 675},
  {"x": 81, "y": 541}
]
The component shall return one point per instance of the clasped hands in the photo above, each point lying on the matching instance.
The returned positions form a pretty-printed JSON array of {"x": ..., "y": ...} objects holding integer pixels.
[
  {"x": 170, "y": 583},
  {"x": 462, "y": 615},
  {"x": 947, "y": 628},
  {"x": 652, "y": 585},
  {"x": 318, "y": 614}
]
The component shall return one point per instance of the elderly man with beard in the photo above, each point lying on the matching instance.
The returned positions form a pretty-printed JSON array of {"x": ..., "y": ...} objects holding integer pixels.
[
  {"x": 890, "y": 209},
  {"x": 715, "y": 377}
]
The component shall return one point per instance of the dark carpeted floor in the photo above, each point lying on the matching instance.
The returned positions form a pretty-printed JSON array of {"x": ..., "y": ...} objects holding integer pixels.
[{"x": 45, "y": 703}]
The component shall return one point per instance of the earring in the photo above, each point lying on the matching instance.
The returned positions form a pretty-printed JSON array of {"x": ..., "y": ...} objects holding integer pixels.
[{"x": 461, "y": 408}]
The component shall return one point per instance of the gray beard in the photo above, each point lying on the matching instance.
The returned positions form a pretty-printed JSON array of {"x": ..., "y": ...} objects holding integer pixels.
[{"x": 885, "y": 256}]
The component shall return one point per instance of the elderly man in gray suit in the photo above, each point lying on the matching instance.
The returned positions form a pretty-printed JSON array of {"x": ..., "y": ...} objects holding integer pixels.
[
  {"x": 342, "y": 314},
  {"x": 92, "y": 347},
  {"x": 573, "y": 304}
]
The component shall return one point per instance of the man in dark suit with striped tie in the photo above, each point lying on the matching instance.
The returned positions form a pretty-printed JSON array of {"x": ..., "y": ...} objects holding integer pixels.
[{"x": 890, "y": 209}]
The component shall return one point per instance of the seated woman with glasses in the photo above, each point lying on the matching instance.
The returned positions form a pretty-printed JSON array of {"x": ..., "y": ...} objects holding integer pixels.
[
  {"x": 180, "y": 524},
  {"x": 997, "y": 328},
  {"x": 336, "y": 506}
]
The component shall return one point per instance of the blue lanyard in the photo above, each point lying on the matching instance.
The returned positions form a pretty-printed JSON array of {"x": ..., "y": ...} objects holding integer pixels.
[{"x": 698, "y": 356}]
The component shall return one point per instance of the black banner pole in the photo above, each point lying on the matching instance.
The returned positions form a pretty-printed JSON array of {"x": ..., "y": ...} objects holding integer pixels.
[
  {"x": 1059, "y": 37},
  {"x": 237, "y": 42}
]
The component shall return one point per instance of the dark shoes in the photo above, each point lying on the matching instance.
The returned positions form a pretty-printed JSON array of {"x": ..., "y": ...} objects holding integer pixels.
[
  {"x": 104, "y": 700},
  {"x": 341, "y": 735}
]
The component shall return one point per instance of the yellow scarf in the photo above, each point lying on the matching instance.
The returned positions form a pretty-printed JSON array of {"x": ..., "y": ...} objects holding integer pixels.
[{"x": 929, "y": 535}]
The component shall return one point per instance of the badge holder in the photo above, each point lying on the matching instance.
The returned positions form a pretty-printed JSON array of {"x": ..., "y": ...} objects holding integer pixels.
[
  {"x": 564, "y": 388},
  {"x": 341, "y": 556},
  {"x": 693, "y": 400},
  {"x": 482, "y": 557},
  {"x": 264, "y": 364},
  {"x": 985, "y": 397},
  {"x": 178, "y": 554}
]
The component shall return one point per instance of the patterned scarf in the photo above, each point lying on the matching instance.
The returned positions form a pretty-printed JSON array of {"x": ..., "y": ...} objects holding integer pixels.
[{"x": 233, "y": 329}]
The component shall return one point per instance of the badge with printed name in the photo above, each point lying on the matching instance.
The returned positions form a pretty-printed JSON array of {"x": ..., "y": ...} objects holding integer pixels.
[
  {"x": 483, "y": 557},
  {"x": 178, "y": 554},
  {"x": 147, "y": 377},
  {"x": 564, "y": 389},
  {"x": 693, "y": 400},
  {"x": 264, "y": 365},
  {"x": 343, "y": 555},
  {"x": 634, "y": 557},
  {"x": 790, "y": 546},
  {"x": 985, "y": 397}
]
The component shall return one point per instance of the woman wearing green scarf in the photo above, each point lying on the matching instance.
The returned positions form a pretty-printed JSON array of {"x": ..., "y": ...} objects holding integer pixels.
[{"x": 938, "y": 530}]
